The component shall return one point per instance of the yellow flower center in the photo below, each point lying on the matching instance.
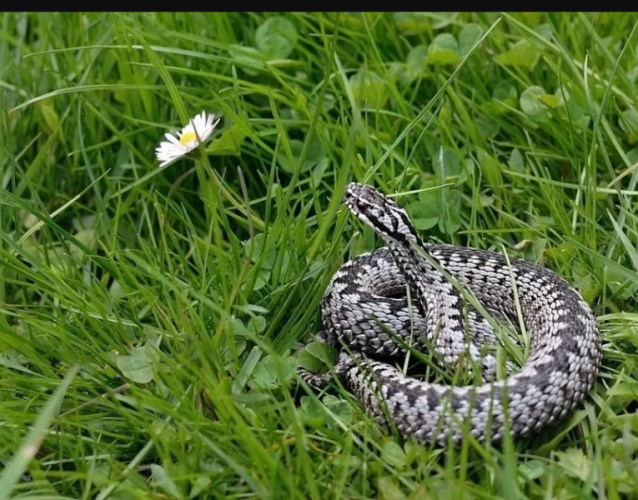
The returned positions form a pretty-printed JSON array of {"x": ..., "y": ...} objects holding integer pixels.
[{"x": 187, "y": 137}]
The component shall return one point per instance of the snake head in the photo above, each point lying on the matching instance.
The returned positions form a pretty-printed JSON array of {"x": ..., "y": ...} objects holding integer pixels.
[{"x": 379, "y": 212}]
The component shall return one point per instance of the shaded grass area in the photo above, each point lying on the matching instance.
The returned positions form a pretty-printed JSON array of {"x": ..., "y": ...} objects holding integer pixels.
[{"x": 182, "y": 295}]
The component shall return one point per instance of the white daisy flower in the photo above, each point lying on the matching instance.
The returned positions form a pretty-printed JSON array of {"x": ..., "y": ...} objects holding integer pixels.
[{"x": 192, "y": 135}]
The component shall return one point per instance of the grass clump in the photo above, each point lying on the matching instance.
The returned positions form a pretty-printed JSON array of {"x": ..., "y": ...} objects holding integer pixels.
[{"x": 173, "y": 300}]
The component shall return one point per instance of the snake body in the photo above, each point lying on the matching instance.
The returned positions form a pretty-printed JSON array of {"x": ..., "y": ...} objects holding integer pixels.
[{"x": 402, "y": 295}]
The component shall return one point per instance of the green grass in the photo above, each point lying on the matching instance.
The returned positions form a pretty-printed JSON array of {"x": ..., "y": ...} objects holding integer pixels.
[{"x": 181, "y": 296}]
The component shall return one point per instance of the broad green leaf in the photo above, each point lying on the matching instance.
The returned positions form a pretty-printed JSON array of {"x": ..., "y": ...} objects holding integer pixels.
[
  {"x": 470, "y": 34},
  {"x": 628, "y": 122},
  {"x": 425, "y": 223},
  {"x": 339, "y": 407},
  {"x": 257, "y": 324},
  {"x": 399, "y": 72},
  {"x": 320, "y": 169},
  {"x": 425, "y": 213},
  {"x": 237, "y": 327},
  {"x": 487, "y": 127},
  {"x": 389, "y": 489},
  {"x": 116, "y": 291},
  {"x": 317, "y": 357},
  {"x": 86, "y": 236},
  {"x": 522, "y": 53},
  {"x": 152, "y": 344},
  {"x": 137, "y": 366},
  {"x": 576, "y": 113},
  {"x": 553, "y": 101},
  {"x": 272, "y": 374},
  {"x": 416, "y": 60},
  {"x": 412, "y": 22},
  {"x": 86, "y": 222},
  {"x": 530, "y": 101},
  {"x": 263, "y": 276},
  {"x": 576, "y": 463},
  {"x": 276, "y": 37},
  {"x": 229, "y": 143},
  {"x": 532, "y": 469},
  {"x": 265, "y": 376},
  {"x": 327, "y": 104},
  {"x": 314, "y": 155},
  {"x": 230, "y": 355},
  {"x": 321, "y": 412},
  {"x": 516, "y": 160},
  {"x": 314, "y": 413},
  {"x": 544, "y": 30},
  {"x": 444, "y": 49},
  {"x": 313, "y": 410},
  {"x": 350, "y": 461},
  {"x": 393, "y": 454},
  {"x": 505, "y": 96},
  {"x": 369, "y": 88},
  {"x": 256, "y": 247}
]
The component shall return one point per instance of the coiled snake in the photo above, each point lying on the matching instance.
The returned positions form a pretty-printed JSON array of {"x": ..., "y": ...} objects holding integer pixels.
[{"x": 366, "y": 311}]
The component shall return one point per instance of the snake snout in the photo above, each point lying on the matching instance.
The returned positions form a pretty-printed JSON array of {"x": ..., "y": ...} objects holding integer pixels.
[
  {"x": 362, "y": 196},
  {"x": 355, "y": 190}
]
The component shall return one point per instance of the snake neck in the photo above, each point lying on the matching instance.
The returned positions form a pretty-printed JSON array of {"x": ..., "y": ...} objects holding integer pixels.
[{"x": 439, "y": 303}]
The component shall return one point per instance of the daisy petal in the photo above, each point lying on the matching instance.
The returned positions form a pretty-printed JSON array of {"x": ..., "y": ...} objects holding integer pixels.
[
  {"x": 196, "y": 131},
  {"x": 172, "y": 138}
]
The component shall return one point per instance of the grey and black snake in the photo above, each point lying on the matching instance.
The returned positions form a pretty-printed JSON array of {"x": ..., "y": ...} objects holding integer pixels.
[{"x": 366, "y": 313}]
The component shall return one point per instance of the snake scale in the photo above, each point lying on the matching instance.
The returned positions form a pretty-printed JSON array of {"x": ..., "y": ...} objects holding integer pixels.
[{"x": 367, "y": 312}]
